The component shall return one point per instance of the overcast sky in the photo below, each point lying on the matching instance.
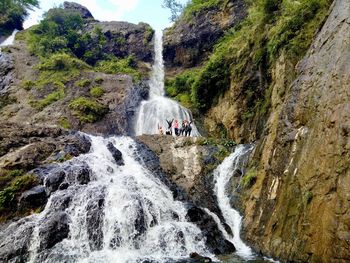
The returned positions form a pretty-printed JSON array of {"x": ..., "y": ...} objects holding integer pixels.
[{"x": 149, "y": 11}]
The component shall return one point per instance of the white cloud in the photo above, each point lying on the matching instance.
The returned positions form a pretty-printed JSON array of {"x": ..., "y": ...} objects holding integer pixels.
[{"x": 114, "y": 12}]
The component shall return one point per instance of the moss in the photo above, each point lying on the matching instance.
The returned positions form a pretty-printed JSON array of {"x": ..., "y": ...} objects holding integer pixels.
[
  {"x": 5, "y": 100},
  {"x": 271, "y": 28},
  {"x": 196, "y": 6},
  {"x": 17, "y": 185},
  {"x": 119, "y": 66},
  {"x": 62, "y": 62},
  {"x": 27, "y": 84},
  {"x": 96, "y": 92},
  {"x": 148, "y": 35},
  {"x": 308, "y": 197},
  {"x": 64, "y": 123},
  {"x": 87, "y": 110},
  {"x": 48, "y": 100},
  {"x": 98, "y": 80},
  {"x": 83, "y": 83},
  {"x": 249, "y": 178}
]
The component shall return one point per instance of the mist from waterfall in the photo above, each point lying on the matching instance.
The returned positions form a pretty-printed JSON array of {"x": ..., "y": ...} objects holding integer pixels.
[{"x": 157, "y": 109}]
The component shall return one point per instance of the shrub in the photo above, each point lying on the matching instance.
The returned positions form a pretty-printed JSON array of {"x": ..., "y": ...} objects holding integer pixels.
[
  {"x": 27, "y": 84},
  {"x": 96, "y": 92},
  {"x": 249, "y": 178},
  {"x": 87, "y": 110},
  {"x": 48, "y": 100},
  {"x": 83, "y": 83},
  {"x": 62, "y": 62},
  {"x": 119, "y": 66},
  {"x": 98, "y": 80},
  {"x": 64, "y": 123}
]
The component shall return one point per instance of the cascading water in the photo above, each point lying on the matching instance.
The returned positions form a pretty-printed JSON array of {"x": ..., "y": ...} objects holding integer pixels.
[
  {"x": 9, "y": 41},
  {"x": 157, "y": 109},
  {"x": 135, "y": 215},
  {"x": 233, "y": 219}
]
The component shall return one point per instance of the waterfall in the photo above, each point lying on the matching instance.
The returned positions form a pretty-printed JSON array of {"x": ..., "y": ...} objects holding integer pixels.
[
  {"x": 233, "y": 219},
  {"x": 9, "y": 41},
  {"x": 157, "y": 109},
  {"x": 135, "y": 215}
]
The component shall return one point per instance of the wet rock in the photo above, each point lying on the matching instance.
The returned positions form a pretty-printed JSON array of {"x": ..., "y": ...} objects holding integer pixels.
[
  {"x": 33, "y": 198},
  {"x": 82, "y": 10},
  {"x": 117, "y": 155},
  {"x": 6, "y": 74},
  {"x": 78, "y": 174},
  {"x": 198, "y": 258},
  {"x": 54, "y": 229},
  {"x": 53, "y": 180},
  {"x": 94, "y": 220},
  {"x": 15, "y": 241},
  {"x": 215, "y": 241}
]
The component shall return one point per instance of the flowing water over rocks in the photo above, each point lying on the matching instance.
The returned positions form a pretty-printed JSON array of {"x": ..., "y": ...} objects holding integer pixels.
[{"x": 157, "y": 109}]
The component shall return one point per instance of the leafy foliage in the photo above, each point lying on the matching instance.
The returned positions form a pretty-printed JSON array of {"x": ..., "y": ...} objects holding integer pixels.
[
  {"x": 96, "y": 92},
  {"x": 175, "y": 8},
  {"x": 87, "y": 110},
  {"x": 272, "y": 28},
  {"x": 119, "y": 66},
  {"x": 249, "y": 178},
  {"x": 13, "y": 13}
]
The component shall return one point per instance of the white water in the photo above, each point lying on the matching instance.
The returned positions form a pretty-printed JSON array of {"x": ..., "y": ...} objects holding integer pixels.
[
  {"x": 222, "y": 176},
  {"x": 157, "y": 109},
  {"x": 9, "y": 41},
  {"x": 132, "y": 194}
]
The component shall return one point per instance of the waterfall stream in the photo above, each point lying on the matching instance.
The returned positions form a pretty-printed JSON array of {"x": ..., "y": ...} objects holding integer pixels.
[
  {"x": 139, "y": 218},
  {"x": 157, "y": 109},
  {"x": 9, "y": 41},
  {"x": 222, "y": 176}
]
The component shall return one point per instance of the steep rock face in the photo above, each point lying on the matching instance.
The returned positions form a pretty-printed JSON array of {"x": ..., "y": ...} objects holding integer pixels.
[
  {"x": 120, "y": 99},
  {"x": 124, "y": 39},
  {"x": 188, "y": 43},
  {"x": 82, "y": 10},
  {"x": 298, "y": 210}
]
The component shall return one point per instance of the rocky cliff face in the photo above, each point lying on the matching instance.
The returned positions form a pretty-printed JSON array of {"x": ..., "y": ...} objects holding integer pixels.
[
  {"x": 298, "y": 210},
  {"x": 190, "y": 40},
  {"x": 23, "y": 100}
]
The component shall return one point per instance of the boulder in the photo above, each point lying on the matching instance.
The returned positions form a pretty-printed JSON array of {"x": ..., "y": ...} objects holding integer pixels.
[
  {"x": 33, "y": 198},
  {"x": 215, "y": 240},
  {"x": 54, "y": 229},
  {"x": 82, "y": 10},
  {"x": 117, "y": 155}
]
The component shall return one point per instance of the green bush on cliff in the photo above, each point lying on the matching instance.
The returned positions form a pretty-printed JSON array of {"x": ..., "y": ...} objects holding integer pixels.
[
  {"x": 196, "y": 6},
  {"x": 96, "y": 92},
  {"x": 13, "y": 13},
  {"x": 249, "y": 178},
  {"x": 87, "y": 110},
  {"x": 119, "y": 66},
  {"x": 180, "y": 87},
  {"x": 272, "y": 27},
  {"x": 17, "y": 185},
  {"x": 48, "y": 100}
]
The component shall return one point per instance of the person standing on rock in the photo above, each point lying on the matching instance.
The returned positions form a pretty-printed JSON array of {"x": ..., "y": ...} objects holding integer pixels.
[
  {"x": 188, "y": 129},
  {"x": 168, "y": 130},
  {"x": 183, "y": 127},
  {"x": 176, "y": 128}
]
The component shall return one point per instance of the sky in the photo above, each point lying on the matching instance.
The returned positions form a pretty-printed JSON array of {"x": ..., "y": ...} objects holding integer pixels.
[{"x": 134, "y": 11}]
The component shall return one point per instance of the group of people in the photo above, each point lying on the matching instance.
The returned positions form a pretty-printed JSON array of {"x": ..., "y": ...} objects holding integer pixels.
[{"x": 184, "y": 129}]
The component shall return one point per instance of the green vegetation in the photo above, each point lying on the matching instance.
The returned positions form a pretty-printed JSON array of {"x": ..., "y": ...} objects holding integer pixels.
[
  {"x": 13, "y": 13},
  {"x": 98, "y": 80},
  {"x": 248, "y": 52},
  {"x": 96, "y": 92},
  {"x": 83, "y": 83},
  {"x": 17, "y": 185},
  {"x": 64, "y": 123},
  {"x": 87, "y": 110},
  {"x": 27, "y": 84},
  {"x": 308, "y": 197},
  {"x": 228, "y": 144},
  {"x": 119, "y": 66},
  {"x": 48, "y": 100},
  {"x": 180, "y": 87},
  {"x": 196, "y": 6},
  {"x": 249, "y": 178},
  {"x": 6, "y": 99},
  {"x": 148, "y": 35}
]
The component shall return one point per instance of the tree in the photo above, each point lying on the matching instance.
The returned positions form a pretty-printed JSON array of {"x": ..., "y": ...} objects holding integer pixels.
[
  {"x": 13, "y": 13},
  {"x": 175, "y": 8}
]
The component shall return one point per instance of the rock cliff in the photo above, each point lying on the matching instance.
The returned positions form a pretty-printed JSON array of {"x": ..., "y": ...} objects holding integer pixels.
[
  {"x": 298, "y": 210},
  {"x": 191, "y": 39}
]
